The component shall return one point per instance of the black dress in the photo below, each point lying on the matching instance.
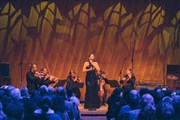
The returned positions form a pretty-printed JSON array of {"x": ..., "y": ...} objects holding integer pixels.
[
  {"x": 92, "y": 99},
  {"x": 46, "y": 82}
]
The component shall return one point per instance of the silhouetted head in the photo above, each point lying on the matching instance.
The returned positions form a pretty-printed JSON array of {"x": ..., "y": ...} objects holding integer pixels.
[
  {"x": 145, "y": 100},
  {"x": 24, "y": 92},
  {"x": 8, "y": 90},
  {"x": 134, "y": 98},
  {"x": 43, "y": 90},
  {"x": 143, "y": 91},
  {"x": 159, "y": 95},
  {"x": 167, "y": 99},
  {"x": 69, "y": 92},
  {"x": 15, "y": 94},
  {"x": 50, "y": 90},
  {"x": 61, "y": 91}
]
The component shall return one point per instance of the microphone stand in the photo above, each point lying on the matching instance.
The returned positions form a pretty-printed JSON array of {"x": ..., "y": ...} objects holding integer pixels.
[
  {"x": 21, "y": 62},
  {"x": 164, "y": 70},
  {"x": 132, "y": 61},
  {"x": 132, "y": 58},
  {"x": 120, "y": 73}
]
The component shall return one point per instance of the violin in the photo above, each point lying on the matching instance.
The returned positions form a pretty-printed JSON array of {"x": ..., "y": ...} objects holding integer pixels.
[
  {"x": 50, "y": 77},
  {"x": 38, "y": 74},
  {"x": 123, "y": 82},
  {"x": 101, "y": 82},
  {"x": 76, "y": 78}
]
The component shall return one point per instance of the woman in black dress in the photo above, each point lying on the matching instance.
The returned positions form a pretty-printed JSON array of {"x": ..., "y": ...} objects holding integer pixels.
[{"x": 92, "y": 100}]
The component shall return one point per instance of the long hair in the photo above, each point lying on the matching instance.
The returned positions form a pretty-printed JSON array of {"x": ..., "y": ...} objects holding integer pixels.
[
  {"x": 70, "y": 72},
  {"x": 90, "y": 55}
]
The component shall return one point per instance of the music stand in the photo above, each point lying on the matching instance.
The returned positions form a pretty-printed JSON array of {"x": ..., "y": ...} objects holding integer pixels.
[
  {"x": 114, "y": 83},
  {"x": 76, "y": 85},
  {"x": 60, "y": 83}
]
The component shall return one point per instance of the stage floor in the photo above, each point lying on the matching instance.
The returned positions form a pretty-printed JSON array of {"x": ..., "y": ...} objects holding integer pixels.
[{"x": 98, "y": 114}]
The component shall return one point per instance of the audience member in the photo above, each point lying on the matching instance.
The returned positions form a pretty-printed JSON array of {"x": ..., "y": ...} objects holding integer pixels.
[
  {"x": 45, "y": 112},
  {"x": 114, "y": 104}
]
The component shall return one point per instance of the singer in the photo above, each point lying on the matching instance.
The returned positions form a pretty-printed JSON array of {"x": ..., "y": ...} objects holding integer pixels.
[{"x": 92, "y": 100}]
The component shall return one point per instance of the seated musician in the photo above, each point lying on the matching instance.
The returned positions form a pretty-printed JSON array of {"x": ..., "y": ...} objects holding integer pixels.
[
  {"x": 73, "y": 77},
  {"x": 128, "y": 80},
  {"x": 47, "y": 79},
  {"x": 32, "y": 79},
  {"x": 102, "y": 79}
]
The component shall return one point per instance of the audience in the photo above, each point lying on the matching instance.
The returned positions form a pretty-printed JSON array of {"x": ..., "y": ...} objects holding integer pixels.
[
  {"x": 133, "y": 103},
  {"x": 43, "y": 104},
  {"x": 144, "y": 104},
  {"x": 49, "y": 104}
]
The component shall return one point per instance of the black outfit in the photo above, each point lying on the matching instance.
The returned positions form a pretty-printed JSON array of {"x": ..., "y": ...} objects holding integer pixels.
[
  {"x": 32, "y": 82},
  {"x": 130, "y": 83},
  {"x": 46, "y": 82},
  {"x": 92, "y": 100},
  {"x": 76, "y": 91}
]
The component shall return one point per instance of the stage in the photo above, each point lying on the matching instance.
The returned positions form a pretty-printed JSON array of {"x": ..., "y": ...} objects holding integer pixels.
[{"x": 99, "y": 114}]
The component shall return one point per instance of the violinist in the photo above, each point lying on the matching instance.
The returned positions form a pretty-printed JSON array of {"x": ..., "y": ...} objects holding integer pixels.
[
  {"x": 102, "y": 80},
  {"x": 32, "y": 79},
  {"x": 46, "y": 78},
  {"x": 128, "y": 80},
  {"x": 73, "y": 77}
]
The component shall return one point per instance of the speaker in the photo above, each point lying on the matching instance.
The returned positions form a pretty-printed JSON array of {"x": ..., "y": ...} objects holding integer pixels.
[
  {"x": 173, "y": 76},
  {"x": 4, "y": 73},
  {"x": 173, "y": 69},
  {"x": 4, "y": 69}
]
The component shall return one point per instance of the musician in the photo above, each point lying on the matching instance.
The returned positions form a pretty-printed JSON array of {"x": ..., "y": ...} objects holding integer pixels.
[
  {"x": 128, "y": 79},
  {"x": 71, "y": 78},
  {"x": 102, "y": 81},
  {"x": 47, "y": 79},
  {"x": 32, "y": 78},
  {"x": 92, "y": 100}
]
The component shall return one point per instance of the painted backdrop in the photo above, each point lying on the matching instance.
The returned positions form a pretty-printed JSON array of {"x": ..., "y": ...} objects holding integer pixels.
[{"x": 61, "y": 34}]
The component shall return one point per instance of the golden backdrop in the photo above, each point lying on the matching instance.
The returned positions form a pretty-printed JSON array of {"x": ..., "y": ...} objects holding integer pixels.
[{"x": 61, "y": 35}]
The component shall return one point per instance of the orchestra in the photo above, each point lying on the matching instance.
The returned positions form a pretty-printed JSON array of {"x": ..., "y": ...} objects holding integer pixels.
[{"x": 36, "y": 78}]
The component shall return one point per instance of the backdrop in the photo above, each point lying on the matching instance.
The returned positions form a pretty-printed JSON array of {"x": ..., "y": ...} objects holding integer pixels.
[{"x": 61, "y": 34}]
